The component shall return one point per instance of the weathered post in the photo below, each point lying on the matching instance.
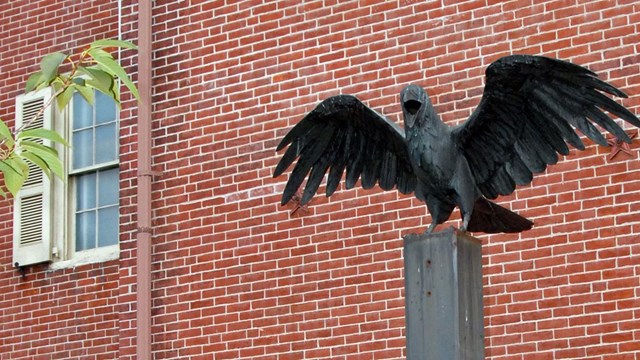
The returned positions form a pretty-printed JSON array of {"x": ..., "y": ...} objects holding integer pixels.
[{"x": 443, "y": 292}]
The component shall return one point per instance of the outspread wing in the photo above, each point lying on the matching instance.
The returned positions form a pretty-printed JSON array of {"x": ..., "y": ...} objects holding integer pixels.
[
  {"x": 527, "y": 115},
  {"x": 340, "y": 134}
]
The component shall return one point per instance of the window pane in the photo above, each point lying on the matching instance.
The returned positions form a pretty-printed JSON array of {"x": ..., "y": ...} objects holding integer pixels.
[
  {"x": 85, "y": 230},
  {"x": 106, "y": 143},
  {"x": 86, "y": 192},
  {"x": 108, "y": 187},
  {"x": 105, "y": 108},
  {"x": 82, "y": 148},
  {"x": 108, "y": 226},
  {"x": 82, "y": 112}
]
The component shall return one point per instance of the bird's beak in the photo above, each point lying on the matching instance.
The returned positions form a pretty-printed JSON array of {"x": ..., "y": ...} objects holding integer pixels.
[
  {"x": 413, "y": 99},
  {"x": 411, "y": 107}
]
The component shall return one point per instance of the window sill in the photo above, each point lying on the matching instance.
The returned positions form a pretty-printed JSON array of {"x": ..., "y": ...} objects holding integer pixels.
[{"x": 85, "y": 257}]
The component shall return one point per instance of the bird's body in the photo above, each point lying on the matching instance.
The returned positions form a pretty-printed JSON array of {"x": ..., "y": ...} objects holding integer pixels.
[
  {"x": 524, "y": 119},
  {"x": 436, "y": 162},
  {"x": 444, "y": 178}
]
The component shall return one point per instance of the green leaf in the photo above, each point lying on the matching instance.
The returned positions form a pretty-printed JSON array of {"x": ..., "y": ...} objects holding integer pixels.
[
  {"x": 78, "y": 81},
  {"x": 98, "y": 52},
  {"x": 112, "y": 43},
  {"x": 34, "y": 81},
  {"x": 41, "y": 133},
  {"x": 49, "y": 65},
  {"x": 101, "y": 81},
  {"x": 36, "y": 160},
  {"x": 38, "y": 148},
  {"x": 6, "y": 134},
  {"x": 87, "y": 93},
  {"x": 15, "y": 173},
  {"x": 63, "y": 99},
  {"x": 108, "y": 64},
  {"x": 48, "y": 154},
  {"x": 57, "y": 86},
  {"x": 101, "y": 76}
]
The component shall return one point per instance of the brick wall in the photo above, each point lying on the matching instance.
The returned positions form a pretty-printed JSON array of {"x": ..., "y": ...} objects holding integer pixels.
[
  {"x": 52, "y": 314},
  {"x": 238, "y": 276}
]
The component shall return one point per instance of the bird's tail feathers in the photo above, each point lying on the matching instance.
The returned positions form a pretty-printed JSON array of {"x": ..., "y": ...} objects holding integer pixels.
[{"x": 491, "y": 218}]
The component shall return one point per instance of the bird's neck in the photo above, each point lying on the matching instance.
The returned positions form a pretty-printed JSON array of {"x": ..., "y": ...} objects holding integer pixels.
[{"x": 431, "y": 126}]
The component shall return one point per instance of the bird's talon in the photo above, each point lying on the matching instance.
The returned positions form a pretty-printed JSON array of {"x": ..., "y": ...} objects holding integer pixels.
[{"x": 430, "y": 229}]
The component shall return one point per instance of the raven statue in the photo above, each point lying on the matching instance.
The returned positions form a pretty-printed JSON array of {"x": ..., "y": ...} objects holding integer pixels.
[{"x": 527, "y": 115}]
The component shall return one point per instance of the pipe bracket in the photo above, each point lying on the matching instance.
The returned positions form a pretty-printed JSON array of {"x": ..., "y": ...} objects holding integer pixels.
[
  {"x": 145, "y": 230},
  {"x": 151, "y": 173}
]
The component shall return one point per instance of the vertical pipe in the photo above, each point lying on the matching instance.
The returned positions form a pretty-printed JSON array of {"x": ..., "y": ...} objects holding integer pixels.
[{"x": 144, "y": 234}]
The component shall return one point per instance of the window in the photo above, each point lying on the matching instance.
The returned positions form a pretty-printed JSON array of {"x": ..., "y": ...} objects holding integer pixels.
[
  {"x": 94, "y": 172},
  {"x": 75, "y": 220}
]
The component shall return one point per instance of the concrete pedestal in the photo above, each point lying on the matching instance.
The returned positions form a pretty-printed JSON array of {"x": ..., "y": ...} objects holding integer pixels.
[{"x": 443, "y": 292}]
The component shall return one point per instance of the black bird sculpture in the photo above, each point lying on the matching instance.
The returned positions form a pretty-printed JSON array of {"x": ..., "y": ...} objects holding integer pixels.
[{"x": 527, "y": 115}]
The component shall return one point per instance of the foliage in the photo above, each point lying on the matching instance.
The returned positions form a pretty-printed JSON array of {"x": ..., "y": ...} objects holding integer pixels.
[{"x": 92, "y": 69}]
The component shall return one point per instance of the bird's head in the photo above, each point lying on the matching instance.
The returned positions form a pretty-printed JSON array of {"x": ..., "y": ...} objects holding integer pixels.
[{"x": 414, "y": 101}]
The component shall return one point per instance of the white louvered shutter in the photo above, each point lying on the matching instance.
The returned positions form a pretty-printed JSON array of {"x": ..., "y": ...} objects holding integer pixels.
[{"x": 32, "y": 212}]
